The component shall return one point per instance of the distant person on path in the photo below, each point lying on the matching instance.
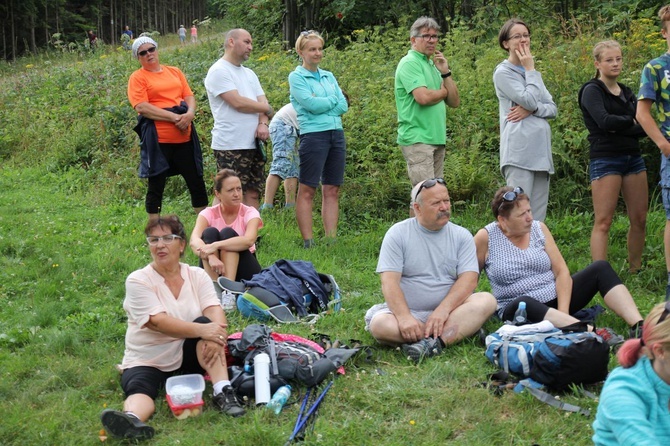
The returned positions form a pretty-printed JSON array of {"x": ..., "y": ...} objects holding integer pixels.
[
  {"x": 126, "y": 37},
  {"x": 182, "y": 34},
  {"x": 523, "y": 264},
  {"x": 428, "y": 269},
  {"x": 284, "y": 130},
  {"x": 655, "y": 92},
  {"x": 241, "y": 113},
  {"x": 525, "y": 105},
  {"x": 422, "y": 88},
  {"x": 168, "y": 140},
  {"x": 633, "y": 406},
  {"x": 92, "y": 40},
  {"x": 320, "y": 104},
  {"x": 194, "y": 34},
  {"x": 616, "y": 164},
  {"x": 175, "y": 326}
]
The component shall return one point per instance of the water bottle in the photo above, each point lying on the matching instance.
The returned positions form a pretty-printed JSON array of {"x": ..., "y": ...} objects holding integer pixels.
[
  {"x": 262, "y": 378},
  {"x": 279, "y": 399},
  {"x": 520, "y": 317}
]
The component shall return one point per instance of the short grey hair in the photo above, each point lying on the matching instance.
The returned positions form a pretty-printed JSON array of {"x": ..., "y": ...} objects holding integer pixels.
[{"x": 423, "y": 22}]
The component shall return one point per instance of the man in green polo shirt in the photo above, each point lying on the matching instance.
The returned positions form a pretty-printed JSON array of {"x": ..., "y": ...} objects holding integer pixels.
[{"x": 422, "y": 87}]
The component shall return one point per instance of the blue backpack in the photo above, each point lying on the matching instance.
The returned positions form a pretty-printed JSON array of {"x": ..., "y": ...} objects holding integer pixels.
[{"x": 555, "y": 358}]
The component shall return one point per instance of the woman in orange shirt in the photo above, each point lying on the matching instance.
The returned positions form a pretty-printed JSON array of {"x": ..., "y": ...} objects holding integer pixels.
[{"x": 169, "y": 141}]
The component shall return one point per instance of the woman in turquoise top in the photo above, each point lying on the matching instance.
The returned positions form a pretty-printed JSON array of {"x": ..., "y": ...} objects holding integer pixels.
[
  {"x": 634, "y": 403},
  {"x": 319, "y": 103}
]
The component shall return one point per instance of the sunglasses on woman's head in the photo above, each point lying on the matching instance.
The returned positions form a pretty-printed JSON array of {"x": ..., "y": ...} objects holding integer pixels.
[
  {"x": 147, "y": 51},
  {"x": 428, "y": 184},
  {"x": 310, "y": 32},
  {"x": 510, "y": 196}
]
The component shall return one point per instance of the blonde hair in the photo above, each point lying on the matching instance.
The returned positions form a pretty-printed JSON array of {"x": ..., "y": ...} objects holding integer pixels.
[
  {"x": 652, "y": 333},
  {"x": 600, "y": 48},
  {"x": 305, "y": 36}
]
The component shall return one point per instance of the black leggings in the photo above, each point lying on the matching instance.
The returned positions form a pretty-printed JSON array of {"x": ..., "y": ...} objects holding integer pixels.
[
  {"x": 248, "y": 265},
  {"x": 181, "y": 161},
  {"x": 148, "y": 380},
  {"x": 597, "y": 277}
]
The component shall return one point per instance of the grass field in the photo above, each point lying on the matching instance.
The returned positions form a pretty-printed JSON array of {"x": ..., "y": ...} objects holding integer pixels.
[{"x": 64, "y": 262}]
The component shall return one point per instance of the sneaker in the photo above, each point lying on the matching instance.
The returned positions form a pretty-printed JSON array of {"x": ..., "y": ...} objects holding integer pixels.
[
  {"x": 124, "y": 425},
  {"x": 227, "y": 402},
  {"x": 609, "y": 336},
  {"x": 425, "y": 348},
  {"x": 228, "y": 301}
]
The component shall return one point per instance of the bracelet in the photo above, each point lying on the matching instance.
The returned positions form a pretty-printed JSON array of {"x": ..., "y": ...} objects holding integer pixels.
[
  {"x": 446, "y": 75},
  {"x": 264, "y": 123}
]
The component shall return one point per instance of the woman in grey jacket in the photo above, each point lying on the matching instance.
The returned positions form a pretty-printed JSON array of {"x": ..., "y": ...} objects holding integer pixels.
[{"x": 524, "y": 107}]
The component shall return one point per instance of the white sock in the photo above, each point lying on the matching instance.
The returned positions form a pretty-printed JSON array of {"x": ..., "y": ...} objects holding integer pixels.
[
  {"x": 132, "y": 414},
  {"x": 218, "y": 387}
]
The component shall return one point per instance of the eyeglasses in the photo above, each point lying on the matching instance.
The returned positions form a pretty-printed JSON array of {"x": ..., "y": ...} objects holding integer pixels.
[
  {"x": 510, "y": 196},
  {"x": 428, "y": 184},
  {"x": 665, "y": 313},
  {"x": 147, "y": 51},
  {"x": 519, "y": 36},
  {"x": 429, "y": 37},
  {"x": 309, "y": 32},
  {"x": 153, "y": 240}
]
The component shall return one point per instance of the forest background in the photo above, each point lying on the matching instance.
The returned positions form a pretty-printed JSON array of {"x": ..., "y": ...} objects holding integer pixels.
[{"x": 71, "y": 206}]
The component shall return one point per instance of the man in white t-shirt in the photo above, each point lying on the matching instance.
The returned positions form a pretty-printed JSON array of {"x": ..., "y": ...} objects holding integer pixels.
[
  {"x": 241, "y": 113},
  {"x": 429, "y": 271}
]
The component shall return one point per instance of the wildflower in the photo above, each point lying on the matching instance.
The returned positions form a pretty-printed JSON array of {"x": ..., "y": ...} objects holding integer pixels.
[
  {"x": 412, "y": 422},
  {"x": 339, "y": 16},
  {"x": 30, "y": 65}
]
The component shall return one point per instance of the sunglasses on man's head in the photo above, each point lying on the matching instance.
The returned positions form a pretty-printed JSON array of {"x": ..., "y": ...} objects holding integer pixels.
[
  {"x": 147, "y": 51},
  {"x": 510, "y": 196},
  {"x": 665, "y": 313},
  {"x": 428, "y": 184}
]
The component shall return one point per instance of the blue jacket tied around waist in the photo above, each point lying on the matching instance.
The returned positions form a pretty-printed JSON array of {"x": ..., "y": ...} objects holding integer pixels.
[{"x": 152, "y": 161}]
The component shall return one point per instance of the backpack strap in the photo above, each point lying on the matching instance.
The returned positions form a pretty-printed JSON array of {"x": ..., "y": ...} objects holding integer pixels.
[
  {"x": 534, "y": 388},
  {"x": 273, "y": 356}
]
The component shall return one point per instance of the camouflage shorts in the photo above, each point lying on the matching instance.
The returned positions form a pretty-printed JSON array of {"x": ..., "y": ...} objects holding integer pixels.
[{"x": 248, "y": 164}]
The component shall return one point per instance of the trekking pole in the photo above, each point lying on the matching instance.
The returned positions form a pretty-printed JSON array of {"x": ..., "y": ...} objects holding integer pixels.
[
  {"x": 302, "y": 411},
  {"x": 303, "y": 420}
]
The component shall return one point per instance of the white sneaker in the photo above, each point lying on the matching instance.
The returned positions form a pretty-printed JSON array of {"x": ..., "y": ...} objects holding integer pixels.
[{"x": 228, "y": 301}]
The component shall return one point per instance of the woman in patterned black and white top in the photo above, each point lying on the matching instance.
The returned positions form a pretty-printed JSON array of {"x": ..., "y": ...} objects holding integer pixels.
[{"x": 523, "y": 263}]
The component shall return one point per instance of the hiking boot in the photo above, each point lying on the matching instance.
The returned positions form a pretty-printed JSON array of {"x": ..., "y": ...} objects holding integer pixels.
[
  {"x": 425, "y": 348},
  {"x": 227, "y": 403},
  {"x": 124, "y": 425},
  {"x": 609, "y": 336}
]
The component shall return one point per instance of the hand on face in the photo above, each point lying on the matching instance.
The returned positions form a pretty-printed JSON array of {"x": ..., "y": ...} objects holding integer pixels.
[
  {"x": 441, "y": 62},
  {"x": 525, "y": 57}
]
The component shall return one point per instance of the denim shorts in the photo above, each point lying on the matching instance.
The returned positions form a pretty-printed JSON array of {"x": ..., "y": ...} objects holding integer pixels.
[
  {"x": 322, "y": 158},
  {"x": 616, "y": 165},
  {"x": 665, "y": 194},
  {"x": 285, "y": 160}
]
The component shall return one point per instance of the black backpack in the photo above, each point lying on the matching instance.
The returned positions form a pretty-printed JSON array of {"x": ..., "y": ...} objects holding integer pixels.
[{"x": 290, "y": 360}]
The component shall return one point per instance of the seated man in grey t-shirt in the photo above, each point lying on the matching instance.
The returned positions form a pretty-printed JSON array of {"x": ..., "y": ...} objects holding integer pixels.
[{"x": 429, "y": 271}]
